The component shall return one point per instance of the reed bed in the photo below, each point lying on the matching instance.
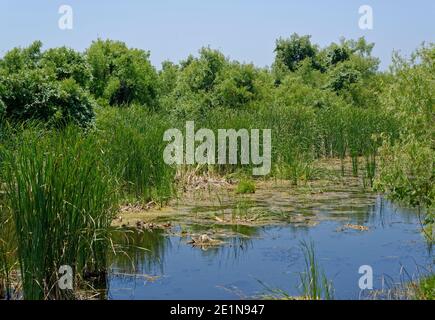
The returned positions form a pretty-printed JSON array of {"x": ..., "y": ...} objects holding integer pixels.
[
  {"x": 132, "y": 140},
  {"x": 62, "y": 200}
]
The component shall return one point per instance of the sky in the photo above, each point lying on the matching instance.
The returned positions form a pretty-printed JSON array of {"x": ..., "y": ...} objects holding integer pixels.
[{"x": 244, "y": 30}]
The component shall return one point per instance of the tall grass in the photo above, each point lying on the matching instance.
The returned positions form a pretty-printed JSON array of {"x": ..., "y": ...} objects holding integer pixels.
[
  {"x": 133, "y": 144},
  {"x": 62, "y": 200},
  {"x": 7, "y": 243},
  {"x": 315, "y": 285},
  {"x": 7, "y": 253}
]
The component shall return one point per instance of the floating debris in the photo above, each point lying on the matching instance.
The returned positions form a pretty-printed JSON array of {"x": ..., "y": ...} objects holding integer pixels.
[
  {"x": 141, "y": 225},
  {"x": 354, "y": 227},
  {"x": 204, "y": 241}
]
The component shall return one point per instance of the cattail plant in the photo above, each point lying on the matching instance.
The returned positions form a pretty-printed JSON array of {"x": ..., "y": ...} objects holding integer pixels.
[{"x": 62, "y": 201}]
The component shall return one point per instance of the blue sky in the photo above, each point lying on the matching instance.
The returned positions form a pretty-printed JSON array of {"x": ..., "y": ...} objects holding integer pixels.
[{"x": 245, "y": 30}]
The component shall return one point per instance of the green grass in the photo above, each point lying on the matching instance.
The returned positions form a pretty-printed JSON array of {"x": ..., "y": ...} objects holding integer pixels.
[
  {"x": 7, "y": 253},
  {"x": 426, "y": 289},
  {"x": 314, "y": 283},
  {"x": 245, "y": 186},
  {"x": 132, "y": 140},
  {"x": 62, "y": 200}
]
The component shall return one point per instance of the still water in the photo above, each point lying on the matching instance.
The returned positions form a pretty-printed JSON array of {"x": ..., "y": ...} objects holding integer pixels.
[{"x": 161, "y": 266}]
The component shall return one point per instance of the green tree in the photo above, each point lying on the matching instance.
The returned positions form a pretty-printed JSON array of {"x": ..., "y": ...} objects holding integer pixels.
[
  {"x": 289, "y": 53},
  {"x": 236, "y": 85},
  {"x": 36, "y": 95},
  {"x": 66, "y": 63},
  {"x": 122, "y": 75},
  {"x": 168, "y": 78},
  {"x": 407, "y": 167},
  {"x": 19, "y": 59},
  {"x": 200, "y": 74},
  {"x": 2, "y": 109}
]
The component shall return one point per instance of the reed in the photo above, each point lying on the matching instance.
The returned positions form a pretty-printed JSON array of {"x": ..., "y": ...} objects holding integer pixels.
[
  {"x": 315, "y": 285},
  {"x": 7, "y": 253},
  {"x": 62, "y": 201},
  {"x": 132, "y": 139}
]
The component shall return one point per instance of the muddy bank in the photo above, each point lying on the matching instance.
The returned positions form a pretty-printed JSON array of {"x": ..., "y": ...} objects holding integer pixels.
[{"x": 274, "y": 202}]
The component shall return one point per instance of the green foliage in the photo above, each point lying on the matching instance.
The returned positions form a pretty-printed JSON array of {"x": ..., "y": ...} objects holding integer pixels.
[
  {"x": 167, "y": 79},
  {"x": 236, "y": 86},
  {"x": 410, "y": 92},
  {"x": 121, "y": 75},
  {"x": 318, "y": 102},
  {"x": 2, "y": 109},
  {"x": 62, "y": 201},
  {"x": 66, "y": 63},
  {"x": 426, "y": 289},
  {"x": 133, "y": 150},
  {"x": 336, "y": 54},
  {"x": 407, "y": 172},
  {"x": 212, "y": 81},
  {"x": 35, "y": 95},
  {"x": 74, "y": 104},
  {"x": 245, "y": 186},
  {"x": 342, "y": 77},
  {"x": 407, "y": 166},
  {"x": 200, "y": 74},
  {"x": 19, "y": 59},
  {"x": 7, "y": 252},
  {"x": 314, "y": 283},
  {"x": 291, "y": 52},
  {"x": 48, "y": 86}
]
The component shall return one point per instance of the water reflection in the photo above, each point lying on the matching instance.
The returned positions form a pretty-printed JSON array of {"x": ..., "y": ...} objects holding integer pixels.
[
  {"x": 140, "y": 252},
  {"x": 155, "y": 265}
]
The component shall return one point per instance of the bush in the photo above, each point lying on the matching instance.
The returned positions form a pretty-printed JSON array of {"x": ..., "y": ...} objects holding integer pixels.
[
  {"x": 36, "y": 95},
  {"x": 2, "y": 109},
  {"x": 407, "y": 172},
  {"x": 66, "y": 63},
  {"x": 121, "y": 75},
  {"x": 75, "y": 104}
]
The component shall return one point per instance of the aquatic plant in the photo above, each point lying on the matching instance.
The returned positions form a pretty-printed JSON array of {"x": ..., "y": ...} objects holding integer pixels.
[
  {"x": 62, "y": 201},
  {"x": 245, "y": 186},
  {"x": 426, "y": 288},
  {"x": 407, "y": 175},
  {"x": 132, "y": 144},
  {"x": 314, "y": 283},
  {"x": 7, "y": 253}
]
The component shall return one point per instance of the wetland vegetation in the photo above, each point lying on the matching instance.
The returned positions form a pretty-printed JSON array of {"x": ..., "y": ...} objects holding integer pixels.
[{"x": 83, "y": 182}]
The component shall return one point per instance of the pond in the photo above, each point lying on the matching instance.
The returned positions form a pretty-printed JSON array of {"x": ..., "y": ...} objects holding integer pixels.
[{"x": 164, "y": 265}]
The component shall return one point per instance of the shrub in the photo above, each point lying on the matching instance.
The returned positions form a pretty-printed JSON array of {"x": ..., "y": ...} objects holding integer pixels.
[
  {"x": 245, "y": 186},
  {"x": 2, "y": 109},
  {"x": 407, "y": 172},
  {"x": 121, "y": 75},
  {"x": 66, "y": 63},
  {"x": 36, "y": 95}
]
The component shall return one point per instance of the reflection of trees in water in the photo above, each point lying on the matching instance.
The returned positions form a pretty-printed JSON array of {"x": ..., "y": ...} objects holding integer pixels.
[
  {"x": 381, "y": 212},
  {"x": 139, "y": 252}
]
